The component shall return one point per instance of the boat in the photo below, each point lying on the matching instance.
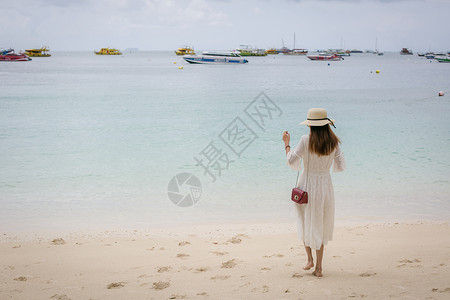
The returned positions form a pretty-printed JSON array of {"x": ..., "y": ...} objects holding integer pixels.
[
  {"x": 356, "y": 51},
  {"x": 405, "y": 51},
  {"x": 246, "y": 50},
  {"x": 338, "y": 52},
  {"x": 324, "y": 56},
  {"x": 208, "y": 57},
  {"x": 185, "y": 51},
  {"x": 443, "y": 59},
  {"x": 6, "y": 51},
  {"x": 42, "y": 52},
  {"x": 108, "y": 51},
  {"x": 272, "y": 51},
  {"x": 10, "y": 55},
  {"x": 294, "y": 51}
]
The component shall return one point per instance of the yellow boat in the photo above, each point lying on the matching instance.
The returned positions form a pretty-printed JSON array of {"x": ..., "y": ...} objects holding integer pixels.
[
  {"x": 185, "y": 51},
  {"x": 272, "y": 51},
  {"x": 42, "y": 52},
  {"x": 108, "y": 51}
]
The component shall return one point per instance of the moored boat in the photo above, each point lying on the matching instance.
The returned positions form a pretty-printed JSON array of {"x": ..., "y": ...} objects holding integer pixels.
[
  {"x": 272, "y": 51},
  {"x": 108, "y": 51},
  {"x": 42, "y": 52},
  {"x": 296, "y": 52},
  {"x": 10, "y": 55},
  {"x": 443, "y": 59},
  {"x": 215, "y": 58},
  {"x": 324, "y": 56},
  {"x": 185, "y": 51},
  {"x": 6, "y": 51},
  {"x": 405, "y": 51},
  {"x": 249, "y": 51}
]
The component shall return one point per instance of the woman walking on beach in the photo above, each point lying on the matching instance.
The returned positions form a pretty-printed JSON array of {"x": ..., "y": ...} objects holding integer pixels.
[{"x": 319, "y": 150}]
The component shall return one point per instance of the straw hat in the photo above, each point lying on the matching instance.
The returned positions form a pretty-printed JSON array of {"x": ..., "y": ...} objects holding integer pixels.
[{"x": 317, "y": 117}]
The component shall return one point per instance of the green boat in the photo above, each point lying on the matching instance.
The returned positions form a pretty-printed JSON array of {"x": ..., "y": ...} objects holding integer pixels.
[{"x": 443, "y": 59}]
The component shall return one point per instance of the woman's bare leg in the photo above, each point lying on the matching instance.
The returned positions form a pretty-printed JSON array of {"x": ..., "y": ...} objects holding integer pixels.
[
  {"x": 310, "y": 262},
  {"x": 319, "y": 255}
]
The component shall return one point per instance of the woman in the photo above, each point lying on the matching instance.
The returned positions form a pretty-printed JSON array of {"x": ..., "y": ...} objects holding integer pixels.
[{"x": 318, "y": 150}]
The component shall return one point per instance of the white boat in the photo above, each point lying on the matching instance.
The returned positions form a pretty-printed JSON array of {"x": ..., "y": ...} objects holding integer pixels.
[{"x": 215, "y": 58}]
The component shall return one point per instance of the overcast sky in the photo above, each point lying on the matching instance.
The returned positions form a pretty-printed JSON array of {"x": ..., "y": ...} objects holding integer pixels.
[{"x": 419, "y": 25}]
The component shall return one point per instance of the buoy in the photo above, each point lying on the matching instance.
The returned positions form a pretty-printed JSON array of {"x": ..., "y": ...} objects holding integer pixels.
[
  {"x": 378, "y": 71},
  {"x": 181, "y": 68},
  {"x": 328, "y": 63},
  {"x": 174, "y": 62},
  {"x": 441, "y": 93}
]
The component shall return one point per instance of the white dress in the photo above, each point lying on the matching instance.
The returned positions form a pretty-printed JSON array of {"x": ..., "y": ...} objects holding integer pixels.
[{"x": 316, "y": 218}]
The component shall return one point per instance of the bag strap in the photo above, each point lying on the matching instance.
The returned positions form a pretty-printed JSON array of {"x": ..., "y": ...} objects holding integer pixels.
[{"x": 307, "y": 170}]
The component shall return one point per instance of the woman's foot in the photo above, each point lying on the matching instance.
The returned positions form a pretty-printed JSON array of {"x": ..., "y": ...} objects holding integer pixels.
[
  {"x": 308, "y": 266},
  {"x": 317, "y": 272}
]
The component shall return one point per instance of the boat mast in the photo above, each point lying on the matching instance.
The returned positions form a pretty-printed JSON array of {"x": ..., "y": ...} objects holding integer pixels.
[{"x": 294, "y": 41}]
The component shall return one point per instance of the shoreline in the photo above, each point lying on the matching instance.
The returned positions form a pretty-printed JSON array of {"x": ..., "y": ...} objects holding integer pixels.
[
  {"x": 271, "y": 226},
  {"x": 228, "y": 261}
]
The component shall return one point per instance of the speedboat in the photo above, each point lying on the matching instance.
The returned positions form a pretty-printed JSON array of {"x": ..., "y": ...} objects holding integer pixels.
[
  {"x": 10, "y": 55},
  {"x": 215, "y": 58},
  {"x": 6, "y": 51},
  {"x": 323, "y": 56}
]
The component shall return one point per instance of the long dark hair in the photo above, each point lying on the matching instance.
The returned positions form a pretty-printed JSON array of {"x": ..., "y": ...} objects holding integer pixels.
[{"x": 322, "y": 140}]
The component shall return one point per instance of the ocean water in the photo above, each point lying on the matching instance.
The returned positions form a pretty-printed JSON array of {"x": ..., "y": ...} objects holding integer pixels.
[{"x": 92, "y": 141}]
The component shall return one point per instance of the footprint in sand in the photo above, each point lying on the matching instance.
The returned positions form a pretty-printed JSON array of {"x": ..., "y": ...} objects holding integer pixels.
[
  {"x": 202, "y": 294},
  {"x": 21, "y": 278},
  {"x": 273, "y": 255},
  {"x": 58, "y": 241},
  {"x": 354, "y": 295},
  {"x": 237, "y": 239},
  {"x": 115, "y": 285},
  {"x": 447, "y": 290},
  {"x": 182, "y": 255},
  {"x": 60, "y": 297},
  {"x": 265, "y": 269},
  {"x": 173, "y": 296},
  {"x": 163, "y": 269},
  {"x": 202, "y": 269},
  {"x": 408, "y": 261},
  {"x": 184, "y": 243},
  {"x": 160, "y": 285},
  {"x": 218, "y": 253},
  {"x": 220, "y": 277},
  {"x": 297, "y": 275},
  {"x": 229, "y": 264},
  {"x": 367, "y": 274}
]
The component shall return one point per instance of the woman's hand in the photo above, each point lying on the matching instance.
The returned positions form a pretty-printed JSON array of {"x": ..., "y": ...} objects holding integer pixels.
[{"x": 286, "y": 138}]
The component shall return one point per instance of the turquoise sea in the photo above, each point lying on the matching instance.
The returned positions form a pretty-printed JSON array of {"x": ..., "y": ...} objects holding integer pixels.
[{"x": 92, "y": 141}]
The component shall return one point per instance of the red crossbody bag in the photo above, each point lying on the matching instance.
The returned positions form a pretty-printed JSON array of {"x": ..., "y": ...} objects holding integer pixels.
[{"x": 298, "y": 195}]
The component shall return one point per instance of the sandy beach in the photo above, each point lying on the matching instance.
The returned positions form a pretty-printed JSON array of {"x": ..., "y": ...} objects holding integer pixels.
[{"x": 232, "y": 261}]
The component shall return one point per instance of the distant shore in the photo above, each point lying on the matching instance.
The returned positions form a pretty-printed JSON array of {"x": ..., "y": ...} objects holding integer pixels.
[{"x": 233, "y": 261}]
